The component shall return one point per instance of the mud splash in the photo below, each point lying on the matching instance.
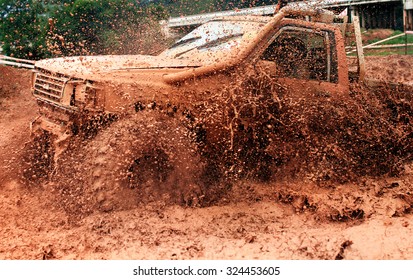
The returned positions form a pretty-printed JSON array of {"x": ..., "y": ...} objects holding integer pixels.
[
  {"x": 283, "y": 218},
  {"x": 273, "y": 136},
  {"x": 365, "y": 135},
  {"x": 267, "y": 136},
  {"x": 137, "y": 159}
]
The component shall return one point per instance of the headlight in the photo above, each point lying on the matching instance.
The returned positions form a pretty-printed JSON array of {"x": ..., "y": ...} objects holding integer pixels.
[{"x": 81, "y": 94}]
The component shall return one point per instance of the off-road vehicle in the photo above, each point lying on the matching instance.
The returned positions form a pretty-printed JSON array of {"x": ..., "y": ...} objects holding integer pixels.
[{"x": 199, "y": 101}]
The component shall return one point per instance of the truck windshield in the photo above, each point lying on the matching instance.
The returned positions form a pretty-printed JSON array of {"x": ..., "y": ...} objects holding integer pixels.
[{"x": 213, "y": 37}]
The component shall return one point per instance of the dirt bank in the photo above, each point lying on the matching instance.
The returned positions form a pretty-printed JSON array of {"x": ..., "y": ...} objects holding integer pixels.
[{"x": 393, "y": 68}]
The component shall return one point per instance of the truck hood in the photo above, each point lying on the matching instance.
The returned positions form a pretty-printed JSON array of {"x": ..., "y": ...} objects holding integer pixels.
[{"x": 95, "y": 66}]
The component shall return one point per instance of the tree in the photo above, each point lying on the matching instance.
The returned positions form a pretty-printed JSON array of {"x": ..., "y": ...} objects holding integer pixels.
[
  {"x": 37, "y": 29},
  {"x": 240, "y": 4},
  {"x": 22, "y": 28},
  {"x": 99, "y": 26}
]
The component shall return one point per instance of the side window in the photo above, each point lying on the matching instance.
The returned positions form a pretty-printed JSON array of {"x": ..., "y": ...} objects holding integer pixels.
[{"x": 303, "y": 54}]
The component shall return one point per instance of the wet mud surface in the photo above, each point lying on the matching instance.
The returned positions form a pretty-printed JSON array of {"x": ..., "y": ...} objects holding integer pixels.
[{"x": 293, "y": 216}]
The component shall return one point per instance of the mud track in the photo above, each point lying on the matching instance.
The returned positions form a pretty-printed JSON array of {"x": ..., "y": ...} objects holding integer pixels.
[{"x": 290, "y": 217}]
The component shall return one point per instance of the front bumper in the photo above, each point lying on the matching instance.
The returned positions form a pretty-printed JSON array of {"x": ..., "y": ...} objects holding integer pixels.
[{"x": 53, "y": 119}]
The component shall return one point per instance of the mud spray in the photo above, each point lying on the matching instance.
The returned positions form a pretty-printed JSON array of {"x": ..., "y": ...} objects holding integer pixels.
[{"x": 265, "y": 136}]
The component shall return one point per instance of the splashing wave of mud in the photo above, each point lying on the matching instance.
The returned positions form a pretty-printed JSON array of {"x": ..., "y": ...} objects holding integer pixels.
[
  {"x": 367, "y": 134},
  {"x": 271, "y": 135},
  {"x": 266, "y": 136},
  {"x": 140, "y": 158}
]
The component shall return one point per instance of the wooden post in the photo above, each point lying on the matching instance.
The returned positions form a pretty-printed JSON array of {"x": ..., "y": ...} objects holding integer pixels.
[
  {"x": 359, "y": 47},
  {"x": 405, "y": 30},
  {"x": 344, "y": 26}
]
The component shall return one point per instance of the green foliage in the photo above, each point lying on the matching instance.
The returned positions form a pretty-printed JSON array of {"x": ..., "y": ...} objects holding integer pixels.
[
  {"x": 99, "y": 26},
  {"x": 392, "y": 50},
  {"x": 389, "y": 51},
  {"x": 240, "y": 4},
  {"x": 399, "y": 40},
  {"x": 157, "y": 12},
  {"x": 23, "y": 28},
  {"x": 187, "y": 7},
  {"x": 190, "y": 7},
  {"x": 37, "y": 29}
]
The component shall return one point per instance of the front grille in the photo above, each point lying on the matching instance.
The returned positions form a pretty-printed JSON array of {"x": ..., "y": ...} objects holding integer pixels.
[{"x": 49, "y": 86}]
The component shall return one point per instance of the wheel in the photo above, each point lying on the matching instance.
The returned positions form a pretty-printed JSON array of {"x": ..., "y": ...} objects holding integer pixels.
[{"x": 139, "y": 158}]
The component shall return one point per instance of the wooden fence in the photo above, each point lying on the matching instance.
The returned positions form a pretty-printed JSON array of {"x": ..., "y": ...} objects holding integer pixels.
[{"x": 22, "y": 63}]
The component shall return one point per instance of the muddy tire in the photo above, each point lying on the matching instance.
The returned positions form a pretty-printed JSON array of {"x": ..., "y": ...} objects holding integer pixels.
[{"x": 140, "y": 158}]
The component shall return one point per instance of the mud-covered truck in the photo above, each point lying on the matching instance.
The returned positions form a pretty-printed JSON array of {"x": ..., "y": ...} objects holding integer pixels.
[{"x": 192, "y": 96}]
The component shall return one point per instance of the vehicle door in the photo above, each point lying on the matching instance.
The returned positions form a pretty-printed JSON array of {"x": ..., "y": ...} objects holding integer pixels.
[{"x": 303, "y": 60}]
